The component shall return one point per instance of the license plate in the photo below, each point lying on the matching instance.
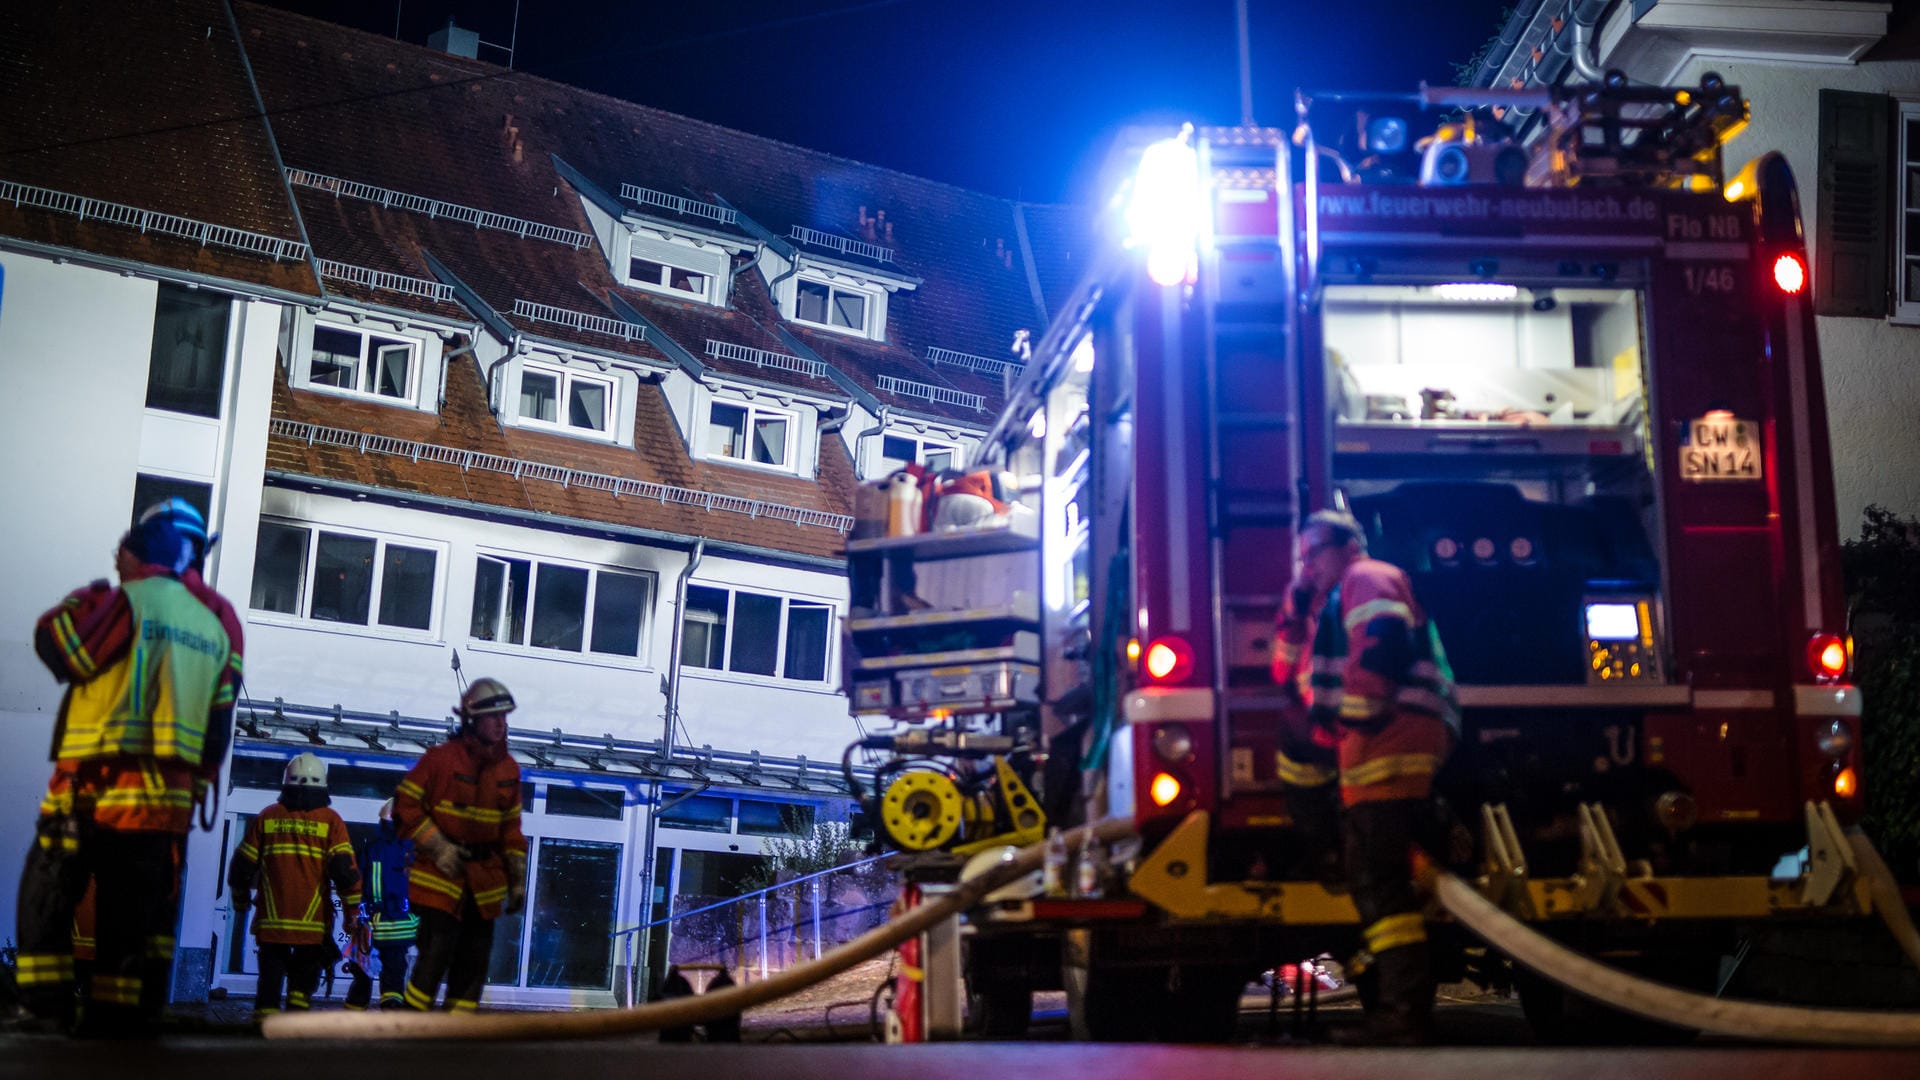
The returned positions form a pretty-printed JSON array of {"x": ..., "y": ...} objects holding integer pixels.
[{"x": 1721, "y": 448}]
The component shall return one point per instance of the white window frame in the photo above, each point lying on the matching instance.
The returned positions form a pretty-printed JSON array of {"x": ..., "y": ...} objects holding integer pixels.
[
  {"x": 302, "y": 615},
  {"x": 921, "y": 444},
  {"x": 416, "y": 361},
  {"x": 753, "y": 409},
  {"x": 1906, "y": 214},
  {"x": 585, "y": 654},
  {"x": 787, "y": 601},
  {"x": 566, "y": 376},
  {"x": 873, "y": 296},
  {"x": 710, "y": 260}
]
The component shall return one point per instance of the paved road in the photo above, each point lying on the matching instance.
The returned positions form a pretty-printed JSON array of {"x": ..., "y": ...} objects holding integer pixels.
[
  {"x": 1483, "y": 1040},
  {"x": 207, "y": 1058}
]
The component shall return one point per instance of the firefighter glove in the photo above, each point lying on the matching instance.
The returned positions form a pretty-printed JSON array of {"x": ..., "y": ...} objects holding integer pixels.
[
  {"x": 516, "y": 882},
  {"x": 446, "y": 856}
]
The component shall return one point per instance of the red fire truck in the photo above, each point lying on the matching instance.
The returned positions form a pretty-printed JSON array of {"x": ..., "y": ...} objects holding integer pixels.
[{"x": 1572, "y": 388}]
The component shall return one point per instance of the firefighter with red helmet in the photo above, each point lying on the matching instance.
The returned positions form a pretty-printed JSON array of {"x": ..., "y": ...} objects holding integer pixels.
[
  {"x": 460, "y": 805},
  {"x": 153, "y": 669},
  {"x": 290, "y": 852},
  {"x": 1379, "y": 721}
]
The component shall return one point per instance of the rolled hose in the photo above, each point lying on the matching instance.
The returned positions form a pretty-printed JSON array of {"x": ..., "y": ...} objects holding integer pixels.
[
  {"x": 1665, "y": 1004},
  {"x": 678, "y": 1012}
]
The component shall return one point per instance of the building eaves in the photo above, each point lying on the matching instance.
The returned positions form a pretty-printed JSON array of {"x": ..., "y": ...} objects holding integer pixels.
[{"x": 577, "y": 526}]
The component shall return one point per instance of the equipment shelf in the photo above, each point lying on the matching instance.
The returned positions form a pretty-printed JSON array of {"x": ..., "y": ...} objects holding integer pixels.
[
  {"x": 1021, "y": 533},
  {"x": 1023, "y": 610}
]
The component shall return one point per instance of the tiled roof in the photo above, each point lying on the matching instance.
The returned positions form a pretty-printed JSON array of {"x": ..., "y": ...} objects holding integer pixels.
[
  {"x": 172, "y": 130},
  {"x": 415, "y": 170},
  {"x": 657, "y": 457}
]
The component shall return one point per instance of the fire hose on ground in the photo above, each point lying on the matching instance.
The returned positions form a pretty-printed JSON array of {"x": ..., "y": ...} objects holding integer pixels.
[
  {"x": 1685, "y": 1009},
  {"x": 1577, "y": 973},
  {"x": 678, "y": 1012}
]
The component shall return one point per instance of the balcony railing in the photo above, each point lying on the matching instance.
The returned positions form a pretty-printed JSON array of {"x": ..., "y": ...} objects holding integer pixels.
[
  {"x": 580, "y": 320},
  {"x": 726, "y": 350},
  {"x": 204, "y": 233},
  {"x": 842, "y": 244},
  {"x": 930, "y": 392},
  {"x": 679, "y": 204},
  {"x": 437, "y": 208}
]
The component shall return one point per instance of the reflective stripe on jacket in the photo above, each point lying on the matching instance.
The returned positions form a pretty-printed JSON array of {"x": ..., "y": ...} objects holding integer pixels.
[
  {"x": 153, "y": 701},
  {"x": 292, "y": 855},
  {"x": 473, "y": 798}
]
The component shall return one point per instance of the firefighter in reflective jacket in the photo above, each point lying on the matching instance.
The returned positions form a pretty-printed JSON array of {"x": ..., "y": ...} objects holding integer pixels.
[
  {"x": 460, "y": 805},
  {"x": 290, "y": 852},
  {"x": 153, "y": 668},
  {"x": 1379, "y": 721},
  {"x": 390, "y": 921}
]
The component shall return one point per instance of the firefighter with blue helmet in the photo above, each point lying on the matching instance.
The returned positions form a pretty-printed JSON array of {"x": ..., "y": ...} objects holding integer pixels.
[
  {"x": 152, "y": 671},
  {"x": 389, "y": 924}
]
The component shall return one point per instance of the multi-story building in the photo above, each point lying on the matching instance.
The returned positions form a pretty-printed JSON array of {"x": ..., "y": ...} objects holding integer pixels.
[
  {"x": 476, "y": 374},
  {"x": 1835, "y": 88}
]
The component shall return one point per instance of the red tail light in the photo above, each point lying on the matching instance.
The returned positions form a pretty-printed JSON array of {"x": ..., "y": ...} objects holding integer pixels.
[
  {"x": 1827, "y": 657},
  {"x": 1790, "y": 273},
  {"x": 1168, "y": 660}
]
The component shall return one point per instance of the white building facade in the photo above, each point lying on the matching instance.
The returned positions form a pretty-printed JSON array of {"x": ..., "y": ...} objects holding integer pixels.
[{"x": 491, "y": 417}]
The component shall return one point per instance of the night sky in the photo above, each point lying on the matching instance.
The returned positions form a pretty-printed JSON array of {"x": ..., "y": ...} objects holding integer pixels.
[{"x": 1015, "y": 99}]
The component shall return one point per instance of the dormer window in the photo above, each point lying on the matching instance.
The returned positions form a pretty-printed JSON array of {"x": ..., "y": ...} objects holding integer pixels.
[
  {"x": 751, "y": 434},
  {"x": 646, "y": 272},
  {"x": 365, "y": 358},
  {"x": 834, "y": 306},
  {"x": 363, "y": 363},
  {"x": 674, "y": 266},
  {"x": 574, "y": 401},
  {"x": 897, "y": 451}
]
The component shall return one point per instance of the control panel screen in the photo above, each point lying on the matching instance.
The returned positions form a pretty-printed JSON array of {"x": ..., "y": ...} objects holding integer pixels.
[{"x": 1613, "y": 622}]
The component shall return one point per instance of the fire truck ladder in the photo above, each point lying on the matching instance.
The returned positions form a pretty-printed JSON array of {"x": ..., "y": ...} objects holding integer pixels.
[{"x": 1252, "y": 407}]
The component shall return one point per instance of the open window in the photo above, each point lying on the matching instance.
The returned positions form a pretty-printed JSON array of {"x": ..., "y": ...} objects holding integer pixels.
[
  {"x": 751, "y": 433},
  {"x": 562, "y": 398}
]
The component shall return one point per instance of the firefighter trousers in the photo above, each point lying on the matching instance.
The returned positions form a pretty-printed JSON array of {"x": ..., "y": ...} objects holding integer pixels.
[
  {"x": 455, "y": 948},
  {"x": 293, "y": 968},
  {"x": 393, "y": 977},
  {"x": 1379, "y": 837},
  {"x": 136, "y": 876}
]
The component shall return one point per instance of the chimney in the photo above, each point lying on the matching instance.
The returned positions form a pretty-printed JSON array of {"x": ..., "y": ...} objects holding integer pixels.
[{"x": 454, "y": 40}]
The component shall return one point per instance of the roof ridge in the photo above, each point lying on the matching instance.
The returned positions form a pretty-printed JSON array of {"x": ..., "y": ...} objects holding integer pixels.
[{"x": 510, "y": 73}]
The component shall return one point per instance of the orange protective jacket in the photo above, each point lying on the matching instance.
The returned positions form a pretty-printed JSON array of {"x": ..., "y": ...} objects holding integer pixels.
[
  {"x": 1374, "y": 674},
  {"x": 292, "y": 855},
  {"x": 471, "y": 794}
]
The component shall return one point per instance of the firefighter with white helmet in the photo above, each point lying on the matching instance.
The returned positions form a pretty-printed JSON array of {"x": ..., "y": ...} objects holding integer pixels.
[
  {"x": 460, "y": 805},
  {"x": 290, "y": 853},
  {"x": 389, "y": 924}
]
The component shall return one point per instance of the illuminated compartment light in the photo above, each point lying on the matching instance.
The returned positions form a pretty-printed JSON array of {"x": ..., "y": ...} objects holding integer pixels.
[
  {"x": 1476, "y": 292},
  {"x": 1789, "y": 273},
  {"x": 1164, "y": 789},
  {"x": 1612, "y": 622},
  {"x": 1845, "y": 783}
]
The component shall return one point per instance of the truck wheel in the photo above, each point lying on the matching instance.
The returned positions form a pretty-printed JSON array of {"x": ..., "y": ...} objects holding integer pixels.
[
  {"x": 1204, "y": 1008},
  {"x": 1000, "y": 1008},
  {"x": 1105, "y": 1003}
]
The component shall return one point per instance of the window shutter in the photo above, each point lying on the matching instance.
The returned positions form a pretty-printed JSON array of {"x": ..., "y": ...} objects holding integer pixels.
[{"x": 1851, "y": 237}]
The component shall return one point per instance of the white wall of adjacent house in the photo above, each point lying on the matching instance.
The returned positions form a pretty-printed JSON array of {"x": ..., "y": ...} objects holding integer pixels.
[
  {"x": 1871, "y": 375},
  {"x": 76, "y": 345}
]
